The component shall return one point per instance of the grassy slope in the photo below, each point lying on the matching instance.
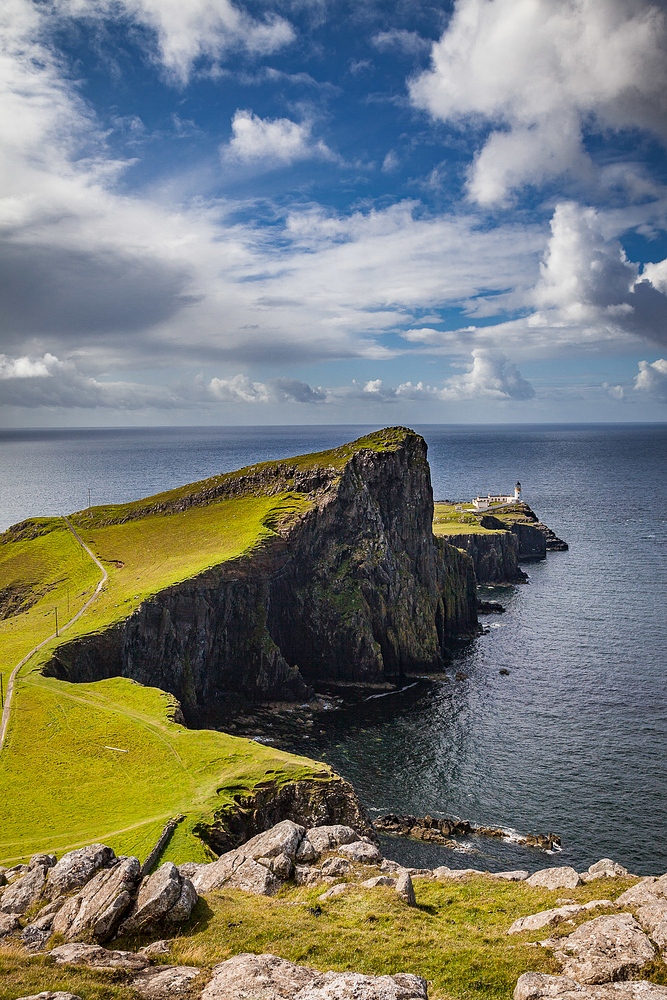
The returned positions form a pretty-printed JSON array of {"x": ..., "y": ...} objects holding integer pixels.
[
  {"x": 60, "y": 784},
  {"x": 456, "y": 937},
  {"x": 447, "y": 520}
]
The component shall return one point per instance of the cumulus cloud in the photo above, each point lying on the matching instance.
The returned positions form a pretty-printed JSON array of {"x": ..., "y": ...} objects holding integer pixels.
[
  {"x": 651, "y": 379},
  {"x": 588, "y": 283},
  {"x": 541, "y": 73},
  {"x": 588, "y": 295},
  {"x": 276, "y": 140},
  {"x": 187, "y": 32},
  {"x": 50, "y": 382}
]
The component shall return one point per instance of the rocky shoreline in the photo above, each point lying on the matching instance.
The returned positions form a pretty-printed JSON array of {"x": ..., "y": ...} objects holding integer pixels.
[
  {"x": 441, "y": 831},
  {"x": 90, "y": 897}
]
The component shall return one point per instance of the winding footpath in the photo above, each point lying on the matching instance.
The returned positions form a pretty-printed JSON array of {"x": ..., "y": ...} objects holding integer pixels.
[{"x": 15, "y": 672}]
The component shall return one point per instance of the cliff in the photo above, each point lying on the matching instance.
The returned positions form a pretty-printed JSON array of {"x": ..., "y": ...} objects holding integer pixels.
[
  {"x": 496, "y": 542},
  {"x": 352, "y": 587}
]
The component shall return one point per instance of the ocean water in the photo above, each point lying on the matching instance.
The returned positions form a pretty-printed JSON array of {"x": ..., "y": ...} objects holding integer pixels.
[{"x": 574, "y": 739}]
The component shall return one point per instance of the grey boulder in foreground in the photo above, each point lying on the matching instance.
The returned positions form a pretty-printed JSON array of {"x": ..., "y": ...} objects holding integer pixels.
[
  {"x": 50, "y": 995},
  {"x": 539, "y": 986},
  {"x": 267, "y": 977},
  {"x": 605, "y": 949}
]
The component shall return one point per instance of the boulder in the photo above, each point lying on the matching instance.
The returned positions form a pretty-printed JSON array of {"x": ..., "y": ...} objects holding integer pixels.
[
  {"x": 650, "y": 890},
  {"x": 555, "y": 878},
  {"x": 22, "y": 894},
  {"x": 267, "y": 977},
  {"x": 364, "y": 854},
  {"x": 324, "y": 838},
  {"x": 405, "y": 889},
  {"x": 539, "y": 986},
  {"x": 236, "y": 871},
  {"x": 95, "y": 912},
  {"x": 550, "y": 918},
  {"x": 445, "y": 873},
  {"x": 160, "y": 947},
  {"x": 76, "y": 868},
  {"x": 605, "y": 868},
  {"x": 164, "y": 896},
  {"x": 516, "y": 876},
  {"x": 241, "y": 868},
  {"x": 605, "y": 949},
  {"x": 336, "y": 866},
  {"x": 283, "y": 838},
  {"x": 96, "y": 957},
  {"x": 165, "y": 981},
  {"x": 385, "y": 880},
  {"x": 9, "y": 922},
  {"x": 50, "y": 995},
  {"x": 653, "y": 918}
]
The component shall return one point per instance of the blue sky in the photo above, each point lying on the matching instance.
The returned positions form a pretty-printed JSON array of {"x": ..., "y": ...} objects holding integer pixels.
[{"x": 314, "y": 211}]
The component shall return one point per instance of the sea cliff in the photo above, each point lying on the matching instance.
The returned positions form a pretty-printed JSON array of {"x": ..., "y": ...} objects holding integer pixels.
[{"x": 353, "y": 588}]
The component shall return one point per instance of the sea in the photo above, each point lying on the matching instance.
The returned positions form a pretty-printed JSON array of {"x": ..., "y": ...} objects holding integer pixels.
[{"x": 552, "y": 720}]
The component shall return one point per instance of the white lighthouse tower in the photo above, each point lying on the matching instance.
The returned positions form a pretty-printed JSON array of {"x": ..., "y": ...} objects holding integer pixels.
[{"x": 517, "y": 491}]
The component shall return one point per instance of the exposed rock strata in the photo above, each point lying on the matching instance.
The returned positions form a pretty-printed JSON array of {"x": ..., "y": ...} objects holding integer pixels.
[{"x": 355, "y": 589}]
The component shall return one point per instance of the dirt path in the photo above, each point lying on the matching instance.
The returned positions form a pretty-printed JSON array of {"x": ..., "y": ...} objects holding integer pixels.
[{"x": 15, "y": 672}]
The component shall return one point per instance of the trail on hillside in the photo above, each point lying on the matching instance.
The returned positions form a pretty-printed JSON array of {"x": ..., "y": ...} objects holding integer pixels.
[{"x": 15, "y": 672}]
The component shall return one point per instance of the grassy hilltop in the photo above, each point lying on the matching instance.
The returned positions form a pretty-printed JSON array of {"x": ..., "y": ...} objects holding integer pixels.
[{"x": 104, "y": 761}]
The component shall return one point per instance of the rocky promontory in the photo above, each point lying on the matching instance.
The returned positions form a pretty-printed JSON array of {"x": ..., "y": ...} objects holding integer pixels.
[{"x": 354, "y": 588}]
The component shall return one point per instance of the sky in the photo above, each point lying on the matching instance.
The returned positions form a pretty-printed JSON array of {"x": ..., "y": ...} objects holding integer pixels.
[{"x": 332, "y": 211}]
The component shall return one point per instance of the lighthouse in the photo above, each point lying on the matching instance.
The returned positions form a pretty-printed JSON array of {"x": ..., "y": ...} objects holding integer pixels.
[{"x": 517, "y": 491}]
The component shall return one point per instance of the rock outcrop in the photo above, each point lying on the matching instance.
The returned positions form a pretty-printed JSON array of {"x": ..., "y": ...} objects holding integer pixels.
[
  {"x": 355, "y": 589},
  {"x": 540, "y": 986},
  {"x": 165, "y": 897},
  {"x": 495, "y": 556},
  {"x": 605, "y": 949},
  {"x": 95, "y": 912},
  {"x": 249, "y": 977}
]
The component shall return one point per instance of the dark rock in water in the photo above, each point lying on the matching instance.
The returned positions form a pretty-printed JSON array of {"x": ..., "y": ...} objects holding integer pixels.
[
  {"x": 441, "y": 831},
  {"x": 357, "y": 588},
  {"x": 490, "y": 608},
  {"x": 504, "y": 672}
]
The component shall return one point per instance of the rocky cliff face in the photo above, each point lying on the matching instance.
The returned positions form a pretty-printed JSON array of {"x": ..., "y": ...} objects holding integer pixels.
[
  {"x": 356, "y": 589},
  {"x": 495, "y": 556}
]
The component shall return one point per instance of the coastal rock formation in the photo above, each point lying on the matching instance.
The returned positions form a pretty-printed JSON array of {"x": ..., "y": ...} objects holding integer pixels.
[
  {"x": 441, "y": 831},
  {"x": 356, "y": 588},
  {"x": 76, "y": 868},
  {"x": 271, "y": 978},
  {"x": 605, "y": 949},
  {"x": 95, "y": 957},
  {"x": 495, "y": 557}
]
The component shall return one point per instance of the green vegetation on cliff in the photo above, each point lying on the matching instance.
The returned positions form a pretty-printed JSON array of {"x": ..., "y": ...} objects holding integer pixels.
[{"x": 454, "y": 519}]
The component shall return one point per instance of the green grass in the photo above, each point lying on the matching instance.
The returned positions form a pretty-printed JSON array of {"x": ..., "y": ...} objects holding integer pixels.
[
  {"x": 50, "y": 569},
  {"x": 448, "y": 520}
]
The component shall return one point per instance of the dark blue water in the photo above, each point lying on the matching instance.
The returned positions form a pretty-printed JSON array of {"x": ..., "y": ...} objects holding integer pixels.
[{"x": 574, "y": 739}]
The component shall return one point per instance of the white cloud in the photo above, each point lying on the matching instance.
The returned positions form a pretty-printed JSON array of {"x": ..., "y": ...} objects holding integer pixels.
[
  {"x": 492, "y": 376},
  {"x": 400, "y": 40},
  {"x": 651, "y": 379},
  {"x": 240, "y": 389},
  {"x": 541, "y": 72},
  {"x": 276, "y": 140},
  {"x": 187, "y": 31},
  {"x": 588, "y": 296}
]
